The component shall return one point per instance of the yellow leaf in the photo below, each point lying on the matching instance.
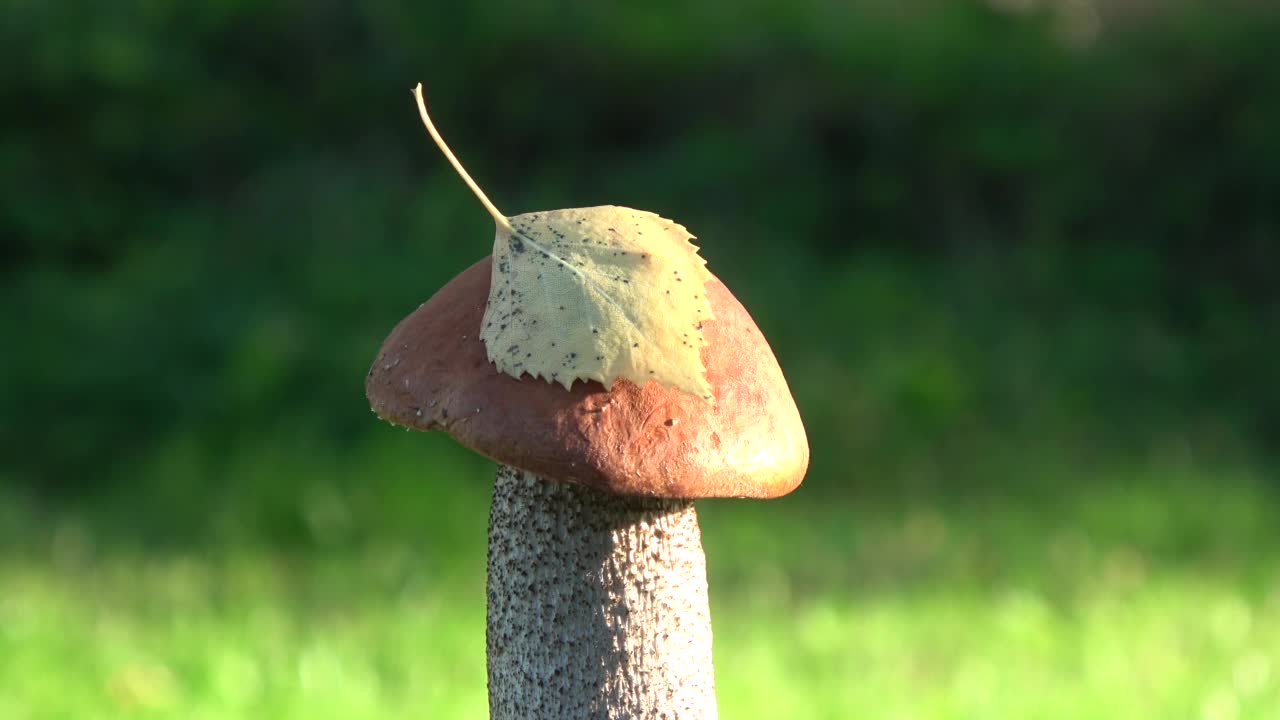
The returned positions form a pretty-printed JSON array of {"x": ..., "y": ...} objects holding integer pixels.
[
  {"x": 598, "y": 293},
  {"x": 595, "y": 293}
]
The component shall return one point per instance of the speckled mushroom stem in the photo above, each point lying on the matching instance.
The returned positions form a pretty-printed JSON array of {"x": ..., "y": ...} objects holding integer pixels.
[{"x": 597, "y": 605}]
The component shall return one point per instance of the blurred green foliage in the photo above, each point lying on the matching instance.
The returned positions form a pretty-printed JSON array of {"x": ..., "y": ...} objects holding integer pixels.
[{"x": 214, "y": 211}]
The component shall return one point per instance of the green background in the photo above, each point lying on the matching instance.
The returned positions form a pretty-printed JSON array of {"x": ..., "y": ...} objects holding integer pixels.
[{"x": 1018, "y": 265}]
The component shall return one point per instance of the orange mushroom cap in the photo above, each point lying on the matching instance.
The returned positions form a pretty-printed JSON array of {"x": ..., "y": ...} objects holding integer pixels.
[{"x": 433, "y": 373}]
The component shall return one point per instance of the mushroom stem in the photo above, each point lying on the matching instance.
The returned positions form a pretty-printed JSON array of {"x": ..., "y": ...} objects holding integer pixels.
[{"x": 597, "y": 604}]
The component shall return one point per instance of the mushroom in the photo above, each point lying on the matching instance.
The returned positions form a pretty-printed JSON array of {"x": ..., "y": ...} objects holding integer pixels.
[{"x": 597, "y": 591}]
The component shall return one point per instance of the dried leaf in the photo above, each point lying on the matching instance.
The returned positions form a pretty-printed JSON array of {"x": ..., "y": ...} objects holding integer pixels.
[
  {"x": 595, "y": 293},
  {"x": 598, "y": 294}
]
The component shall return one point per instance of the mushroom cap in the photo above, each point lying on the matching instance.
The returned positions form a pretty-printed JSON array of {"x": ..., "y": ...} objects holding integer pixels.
[{"x": 433, "y": 373}]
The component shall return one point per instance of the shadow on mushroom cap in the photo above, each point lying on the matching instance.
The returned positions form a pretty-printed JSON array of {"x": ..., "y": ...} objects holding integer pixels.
[{"x": 432, "y": 373}]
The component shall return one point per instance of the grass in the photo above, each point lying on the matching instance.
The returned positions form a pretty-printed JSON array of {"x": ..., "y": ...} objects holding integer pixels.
[{"x": 1151, "y": 590}]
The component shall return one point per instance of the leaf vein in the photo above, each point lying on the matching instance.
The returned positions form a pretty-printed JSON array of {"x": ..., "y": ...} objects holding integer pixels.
[{"x": 586, "y": 282}]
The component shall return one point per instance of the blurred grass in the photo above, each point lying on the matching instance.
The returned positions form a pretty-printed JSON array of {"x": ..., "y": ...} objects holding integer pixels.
[{"x": 1149, "y": 590}]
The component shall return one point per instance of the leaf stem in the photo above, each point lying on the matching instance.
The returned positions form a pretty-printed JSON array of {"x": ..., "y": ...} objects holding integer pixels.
[{"x": 498, "y": 217}]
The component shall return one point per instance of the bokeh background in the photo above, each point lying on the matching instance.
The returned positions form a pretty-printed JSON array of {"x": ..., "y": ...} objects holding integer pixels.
[{"x": 1018, "y": 261}]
